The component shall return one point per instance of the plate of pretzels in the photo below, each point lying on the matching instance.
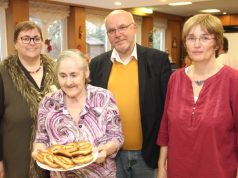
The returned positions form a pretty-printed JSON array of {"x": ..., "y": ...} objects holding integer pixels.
[{"x": 67, "y": 157}]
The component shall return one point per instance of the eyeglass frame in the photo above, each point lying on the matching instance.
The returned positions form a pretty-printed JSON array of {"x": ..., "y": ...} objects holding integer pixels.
[
  {"x": 201, "y": 39},
  {"x": 120, "y": 29},
  {"x": 33, "y": 39}
]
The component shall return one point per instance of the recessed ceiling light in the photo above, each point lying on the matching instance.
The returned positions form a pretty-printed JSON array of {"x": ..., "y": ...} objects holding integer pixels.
[
  {"x": 180, "y": 3},
  {"x": 147, "y": 10},
  {"x": 117, "y": 3},
  {"x": 210, "y": 10}
]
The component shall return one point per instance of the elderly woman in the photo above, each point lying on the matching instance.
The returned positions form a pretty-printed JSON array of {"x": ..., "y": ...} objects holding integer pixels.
[
  {"x": 24, "y": 79},
  {"x": 199, "y": 129},
  {"x": 79, "y": 111}
]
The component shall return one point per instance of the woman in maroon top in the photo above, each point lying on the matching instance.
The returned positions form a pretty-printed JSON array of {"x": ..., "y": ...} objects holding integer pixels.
[{"x": 198, "y": 133}]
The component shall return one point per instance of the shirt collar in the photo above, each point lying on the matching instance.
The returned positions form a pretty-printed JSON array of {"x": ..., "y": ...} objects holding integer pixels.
[{"x": 115, "y": 56}]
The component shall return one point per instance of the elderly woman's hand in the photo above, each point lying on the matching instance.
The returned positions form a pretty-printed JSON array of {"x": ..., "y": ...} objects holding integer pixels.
[
  {"x": 102, "y": 154},
  {"x": 106, "y": 150},
  {"x": 38, "y": 147}
]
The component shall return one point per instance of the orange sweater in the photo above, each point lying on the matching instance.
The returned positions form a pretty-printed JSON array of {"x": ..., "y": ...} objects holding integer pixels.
[{"x": 123, "y": 83}]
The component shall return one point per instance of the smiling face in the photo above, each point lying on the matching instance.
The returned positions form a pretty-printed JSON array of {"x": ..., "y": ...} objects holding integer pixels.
[
  {"x": 72, "y": 77},
  {"x": 124, "y": 30},
  {"x": 201, "y": 46},
  {"x": 30, "y": 50}
]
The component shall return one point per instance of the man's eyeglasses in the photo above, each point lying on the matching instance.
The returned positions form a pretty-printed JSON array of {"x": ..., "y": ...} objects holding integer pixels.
[
  {"x": 120, "y": 29},
  {"x": 27, "y": 39},
  {"x": 202, "y": 39}
]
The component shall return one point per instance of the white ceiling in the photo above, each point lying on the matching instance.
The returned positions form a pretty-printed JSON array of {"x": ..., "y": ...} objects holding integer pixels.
[{"x": 229, "y": 6}]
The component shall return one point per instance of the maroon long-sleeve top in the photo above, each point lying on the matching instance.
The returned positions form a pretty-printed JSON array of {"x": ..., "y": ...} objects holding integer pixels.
[{"x": 202, "y": 136}]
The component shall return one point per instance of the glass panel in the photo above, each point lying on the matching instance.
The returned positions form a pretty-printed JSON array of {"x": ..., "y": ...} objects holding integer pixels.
[
  {"x": 52, "y": 36},
  {"x": 95, "y": 39},
  {"x": 0, "y": 45},
  {"x": 54, "y": 41},
  {"x": 3, "y": 34},
  {"x": 159, "y": 39}
]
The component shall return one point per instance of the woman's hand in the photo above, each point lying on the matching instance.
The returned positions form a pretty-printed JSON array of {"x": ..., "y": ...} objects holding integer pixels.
[
  {"x": 37, "y": 147},
  {"x": 105, "y": 150},
  {"x": 102, "y": 154},
  {"x": 237, "y": 173},
  {"x": 162, "y": 173},
  {"x": 162, "y": 162},
  {"x": 1, "y": 169}
]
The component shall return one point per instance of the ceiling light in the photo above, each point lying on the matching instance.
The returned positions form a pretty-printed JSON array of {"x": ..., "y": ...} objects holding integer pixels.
[
  {"x": 180, "y": 3},
  {"x": 117, "y": 3},
  {"x": 147, "y": 10},
  {"x": 224, "y": 13},
  {"x": 210, "y": 10}
]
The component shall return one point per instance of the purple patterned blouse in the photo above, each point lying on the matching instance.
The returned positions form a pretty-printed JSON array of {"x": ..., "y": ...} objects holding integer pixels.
[{"x": 99, "y": 123}]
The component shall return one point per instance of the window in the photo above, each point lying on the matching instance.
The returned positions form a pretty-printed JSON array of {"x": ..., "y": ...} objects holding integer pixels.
[
  {"x": 52, "y": 36},
  {"x": 159, "y": 29},
  {"x": 159, "y": 39},
  {"x": 53, "y": 21},
  {"x": 55, "y": 36},
  {"x": 3, "y": 34},
  {"x": 95, "y": 39}
]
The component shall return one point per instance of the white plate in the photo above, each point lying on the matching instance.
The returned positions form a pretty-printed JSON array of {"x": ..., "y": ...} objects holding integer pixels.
[{"x": 44, "y": 166}]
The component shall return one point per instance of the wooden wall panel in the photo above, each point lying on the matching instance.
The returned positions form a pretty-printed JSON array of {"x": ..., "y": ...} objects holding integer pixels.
[
  {"x": 17, "y": 11},
  {"x": 228, "y": 20},
  {"x": 147, "y": 27},
  {"x": 225, "y": 19},
  {"x": 234, "y": 19},
  {"x": 77, "y": 28},
  {"x": 173, "y": 40}
]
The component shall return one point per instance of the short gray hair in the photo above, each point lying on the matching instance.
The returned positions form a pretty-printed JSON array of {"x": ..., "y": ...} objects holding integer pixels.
[{"x": 74, "y": 53}]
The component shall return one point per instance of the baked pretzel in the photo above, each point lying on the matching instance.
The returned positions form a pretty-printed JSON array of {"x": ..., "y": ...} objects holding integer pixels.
[
  {"x": 83, "y": 148},
  {"x": 63, "y": 152},
  {"x": 84, "y": 145},
  {"x": 40, "y": 157},
  {"x": 82, "y": 159},
  {"x": 49, "y": 160},
  {"x": 64, "y": 162},
  {"x": 81, "y": 152},
  {"x": 71, "y": 147},
  {"x": 59, "y": 150},
  {"x": 66, "y": 156},
  {"x": 54, "y": 148}
]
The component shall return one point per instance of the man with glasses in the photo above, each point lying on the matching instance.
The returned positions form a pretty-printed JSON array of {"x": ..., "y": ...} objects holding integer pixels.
[{"x": 137, "y": 77}]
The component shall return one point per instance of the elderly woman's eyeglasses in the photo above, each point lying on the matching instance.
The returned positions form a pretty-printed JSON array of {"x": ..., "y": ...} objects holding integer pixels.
[
  {"x": 120, "y": 29},
  {"x": 202, "y": 39},
  {"x": 27, "y": 39}
]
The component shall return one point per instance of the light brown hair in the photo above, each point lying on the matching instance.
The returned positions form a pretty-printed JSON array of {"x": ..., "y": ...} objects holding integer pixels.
[{"x": 208, "y": 23}]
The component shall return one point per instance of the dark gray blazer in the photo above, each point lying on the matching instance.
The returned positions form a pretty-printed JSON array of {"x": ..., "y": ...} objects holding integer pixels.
[{"x": 154, "y": 72}]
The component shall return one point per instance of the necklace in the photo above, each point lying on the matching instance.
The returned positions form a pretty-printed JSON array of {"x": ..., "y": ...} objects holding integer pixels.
[
  {"x": 199, "y": 82},
  {"x": 34, "y": 72}
]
